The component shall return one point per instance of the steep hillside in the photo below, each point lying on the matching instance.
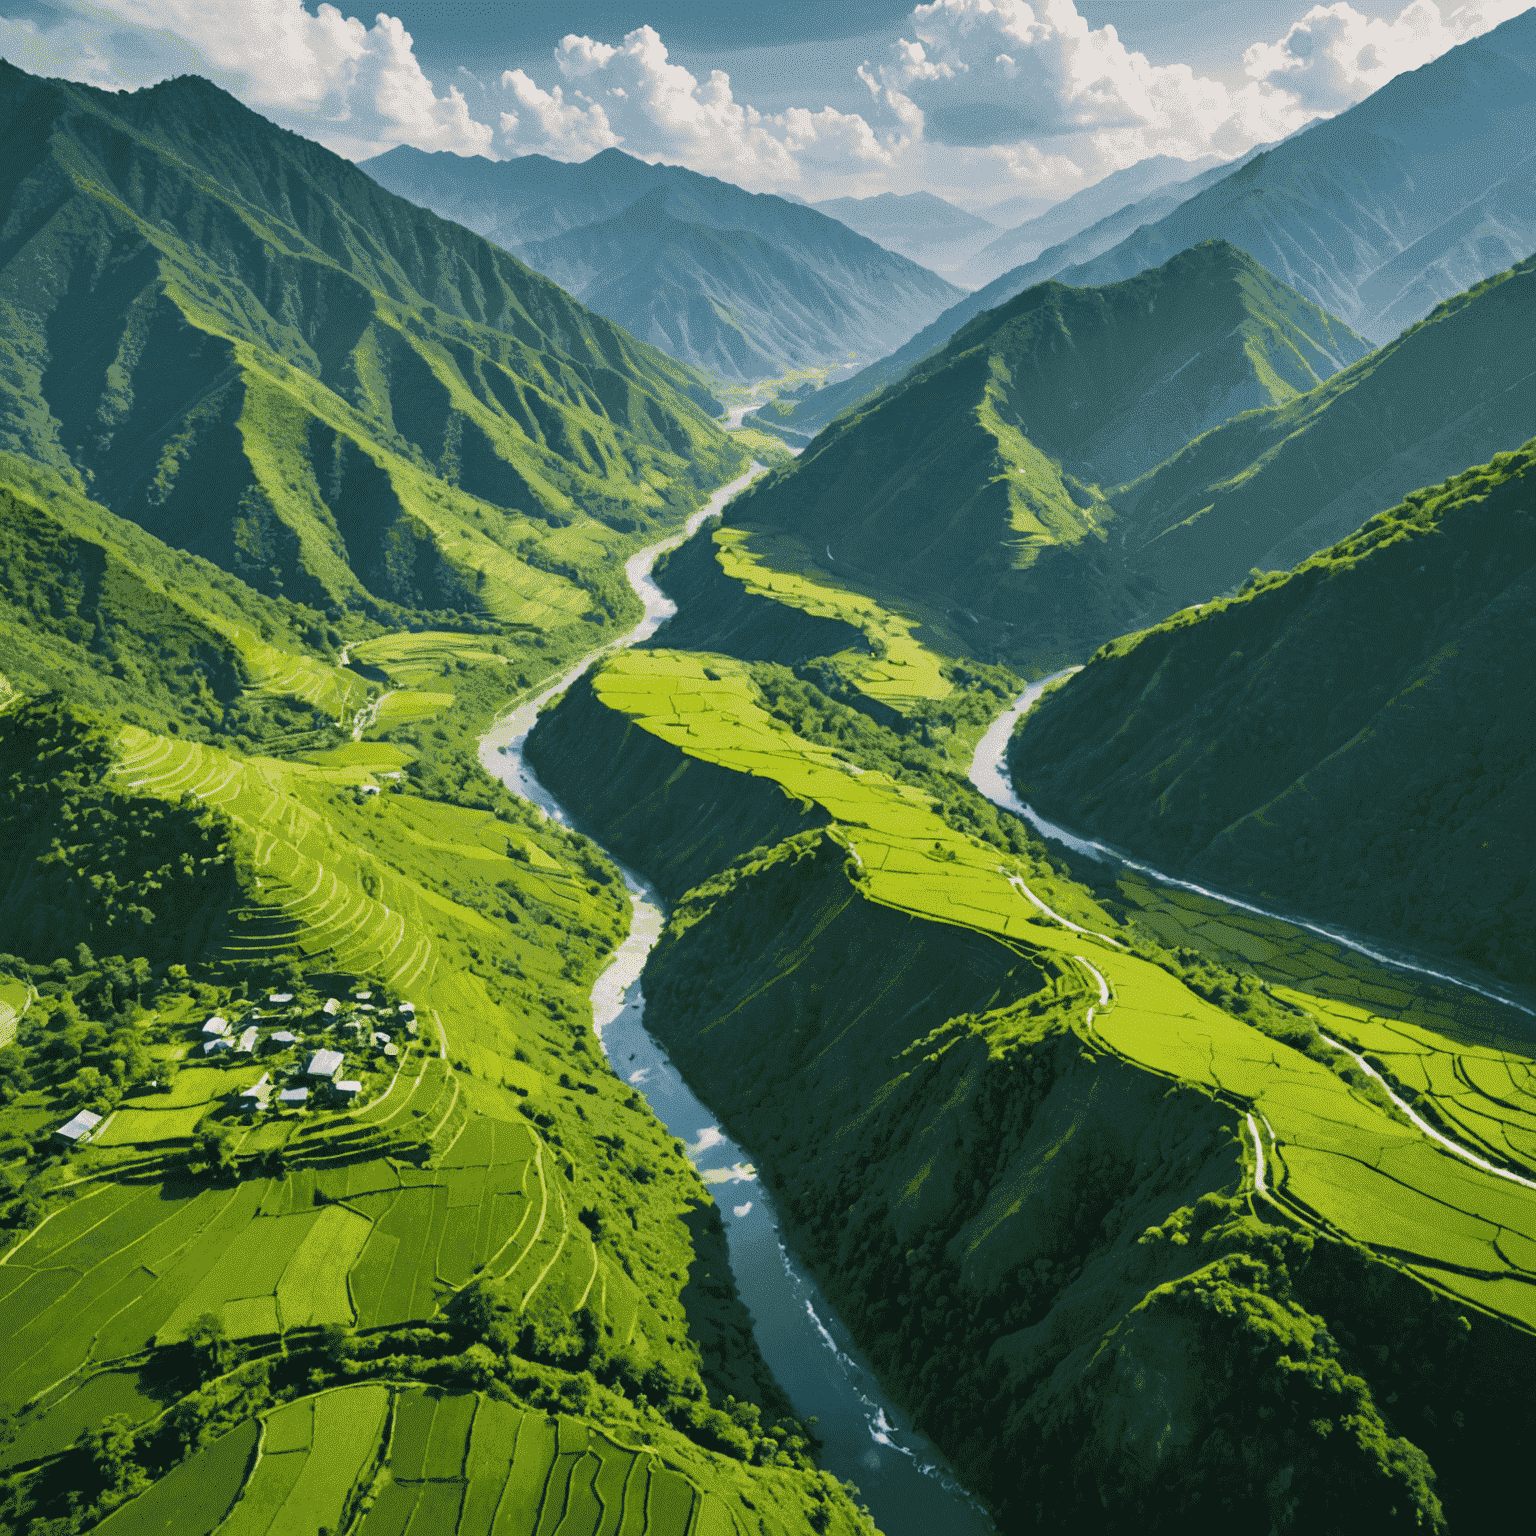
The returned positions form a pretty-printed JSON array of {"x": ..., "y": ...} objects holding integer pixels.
[
  {"x": 236, "y": 340},
  {"x": 744, "y": 285},
  {"x": 1131, "y": 1237},
  {"x": 1353, "y": 740},
  {"x": 1378, "y": 214},
  {"x": 973, "y": 480},
  {"x": 1268, "y": 489}
]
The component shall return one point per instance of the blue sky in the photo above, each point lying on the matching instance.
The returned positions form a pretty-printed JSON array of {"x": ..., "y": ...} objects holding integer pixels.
[{"x": 977, "y": 100}]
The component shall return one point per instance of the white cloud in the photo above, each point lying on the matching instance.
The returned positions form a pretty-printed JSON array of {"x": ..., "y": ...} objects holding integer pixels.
[
  {"x": 634, "y": 96},
  {"x": 996, "y": 94},
  {"x": 356, "y": 88},
  {"x": 1334, "y": 56}
]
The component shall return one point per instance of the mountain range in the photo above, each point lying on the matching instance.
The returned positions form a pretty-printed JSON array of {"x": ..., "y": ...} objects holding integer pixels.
[
  {"x": 1405, "y": 199},
  {"x": 919, "y": 225},
  {"x": 225, "y": 341},
  {"x": 741, "y": 285}
]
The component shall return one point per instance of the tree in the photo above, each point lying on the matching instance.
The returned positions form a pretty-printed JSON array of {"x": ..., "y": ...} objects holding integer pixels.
[{"x": 208, "y": 1343}]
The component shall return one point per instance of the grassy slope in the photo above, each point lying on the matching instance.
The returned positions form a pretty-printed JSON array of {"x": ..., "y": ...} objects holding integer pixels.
[
  {"x": 1352, "y": 740},
  {"x": 974, "y": 481},
  {"x": 1034, "y": 1209}
]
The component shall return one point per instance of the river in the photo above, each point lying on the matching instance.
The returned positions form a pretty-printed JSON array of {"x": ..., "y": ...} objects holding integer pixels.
[
  {"x": 866, "y": 1439},
  {"x": 989, "y": 774}
]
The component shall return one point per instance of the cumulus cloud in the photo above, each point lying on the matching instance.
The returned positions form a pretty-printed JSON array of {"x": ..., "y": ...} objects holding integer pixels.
[
  {"x": 356, "y": 88},
  {"x": 632, "y": 94},
  {"x": 1334, "y": 56}
]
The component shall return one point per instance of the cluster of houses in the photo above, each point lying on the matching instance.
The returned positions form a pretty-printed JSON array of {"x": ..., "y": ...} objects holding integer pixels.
[{"x": 322, "y": 1070}]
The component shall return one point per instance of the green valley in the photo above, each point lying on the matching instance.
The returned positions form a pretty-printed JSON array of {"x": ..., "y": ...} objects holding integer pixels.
[{"x": 527, "y": 1004}]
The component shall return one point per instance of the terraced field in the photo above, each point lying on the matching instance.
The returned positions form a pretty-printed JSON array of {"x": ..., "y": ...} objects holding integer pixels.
[
  {"x": 1334, "y": 1157},
  {"x": 395, "y": 1458}
]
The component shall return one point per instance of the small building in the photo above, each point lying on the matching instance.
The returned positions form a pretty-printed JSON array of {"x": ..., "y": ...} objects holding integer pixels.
[
  {"x": 407, "y": 1008},
  {"x": 247, "y": 1040},
  {"x": 391, "y": 1050},
  {"x": 380, "y": 1038},
  {"x": 77, "y": 1131},
  {"x": 258, "y": 1094},
  {"x": 216, "y": 1026},
  {"x": 330, "y": 1007},
  {"x": 293, "y": 1098},
  {"x": 210, "y": 1047},
  {"x": 366, "y": 1008},
  {"x": 325, "y": 1064},
  {"x": 364, "y": 996},
  {"x": 281, "y": 997},
  {"x": 347, "y": 1088},
  {"x": 281, "y": 1039}
]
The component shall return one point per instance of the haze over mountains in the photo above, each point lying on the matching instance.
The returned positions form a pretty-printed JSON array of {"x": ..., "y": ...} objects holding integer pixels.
[
  {"x": 1409, "y": 197},
  {"x": 915, "y": 224},
  {"x": 744, "y": 286}
]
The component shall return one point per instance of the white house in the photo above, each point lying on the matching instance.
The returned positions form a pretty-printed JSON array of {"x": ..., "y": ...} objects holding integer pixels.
[
  {"x": 325, "y": 1064},
  {"x": 348, "y": 1088},
  {"x": 79, "y": 1129},
  {"x": 247, "y": 1040},
  {"x": 293, "y": 1096},
  {"x": 216, "y": 1026}
]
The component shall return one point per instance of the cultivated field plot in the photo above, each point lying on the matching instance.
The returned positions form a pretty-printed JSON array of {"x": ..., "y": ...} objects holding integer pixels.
[
  {"x": 403, "y": 1459},
  {"x": 151, "y": 1118},
  {"x": 777, "y": 566},
  {"x": 365, "y": 1242},
  {"x": 402, "y": 705},
  {"x": 376, "y": 756},
  {"x": 1336, "y": 1157},
  {"x": 462, "y": 1463},
  {"x": 413, "y": 660},
  {"x": 14, "y": 997}
]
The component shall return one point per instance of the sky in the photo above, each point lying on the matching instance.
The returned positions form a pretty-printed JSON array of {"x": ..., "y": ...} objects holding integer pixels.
[{"x": 975, "y": 100}]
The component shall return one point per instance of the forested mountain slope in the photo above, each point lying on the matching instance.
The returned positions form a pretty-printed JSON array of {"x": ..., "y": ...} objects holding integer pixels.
[
  {"x": 1353, "y": 740},
  {"x": 740, "y": 284},
  {"x": 238, "y": 344},
  {"x": 974, "y": 480}
]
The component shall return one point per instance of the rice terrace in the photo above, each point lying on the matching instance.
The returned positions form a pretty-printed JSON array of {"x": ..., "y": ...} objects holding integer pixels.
[{"x": 788, "y": 801}]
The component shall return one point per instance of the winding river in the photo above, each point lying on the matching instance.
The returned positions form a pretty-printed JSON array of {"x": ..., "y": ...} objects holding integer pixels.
[{"x": 866, "y": 1439}]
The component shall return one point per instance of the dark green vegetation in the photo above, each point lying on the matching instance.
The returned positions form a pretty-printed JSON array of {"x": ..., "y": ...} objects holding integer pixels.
[
  {"x": 744, "y": 287},
  {"x": 299, "y": 486},
  {"x": 974, "y": 484},
  {"x": 1353, "y": 740},
  {"x": 1019, "y": 1154},
  {"x": 1048, "y": 554}
]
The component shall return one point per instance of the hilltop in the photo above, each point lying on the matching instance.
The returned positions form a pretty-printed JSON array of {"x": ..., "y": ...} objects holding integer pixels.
[{"x": 744, "y": 285}]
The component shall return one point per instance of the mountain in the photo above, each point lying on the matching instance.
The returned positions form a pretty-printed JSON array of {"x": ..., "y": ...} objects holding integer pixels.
[
  {"x": 1352, "y": 740},
  {"x": 1120, "y": 189},
  {"x": 239, "y": 343},
  {"x": 842, "y": 395},
  {"x": 931, "y": 231},
  {"x": 744, "y": 285},
  {"x": 1268, "y": 489},
  {"x": 974, "y": 480},
  {"x": 1420, "y": 190}
]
